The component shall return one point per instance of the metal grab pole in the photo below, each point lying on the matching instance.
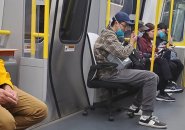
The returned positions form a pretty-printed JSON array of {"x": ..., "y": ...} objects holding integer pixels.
[
  {"x": 137, "y": 19},
  {"x": 108, "y": 13},
  {"x": 170, "y": 22},
  {"x": 46, "y": 29},
  {"x": 33, "y": 27},
  {"x": 155, "y": 34}
]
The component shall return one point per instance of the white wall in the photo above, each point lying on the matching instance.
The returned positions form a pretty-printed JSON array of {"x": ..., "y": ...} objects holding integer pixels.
[{"x": 13, "y": 20}]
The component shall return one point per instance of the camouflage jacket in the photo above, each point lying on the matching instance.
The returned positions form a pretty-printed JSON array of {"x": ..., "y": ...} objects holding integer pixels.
[{"x": 106, "y": 44}]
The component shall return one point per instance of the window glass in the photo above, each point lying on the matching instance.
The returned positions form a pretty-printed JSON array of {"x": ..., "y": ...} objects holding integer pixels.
[
  {"x": 178, "y": 18},
  {"x": 39, "y": 24},
  {"x": 72, "y": 20},
  {"x": 120, "y": 2},
  {"x": 39, "y": 20}
]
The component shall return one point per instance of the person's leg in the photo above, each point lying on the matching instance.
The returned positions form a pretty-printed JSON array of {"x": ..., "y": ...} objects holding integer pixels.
[
  {"x": 146, "y": 80},
  {"x": 28, "y": 111},
  {"x": 164, "y": 66},
  {"x": 7, "y": 121},
  {"x": 162, "y": 80},
  {"x": 176, "y": 67}
]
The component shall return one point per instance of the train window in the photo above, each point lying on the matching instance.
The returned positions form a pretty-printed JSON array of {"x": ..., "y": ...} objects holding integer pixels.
[
  {"x": 178, "y": 18},
  {"x": 39, "y": 22},
  {"x": 120, "y": 2},
  {"x": 72, "y": 20}
]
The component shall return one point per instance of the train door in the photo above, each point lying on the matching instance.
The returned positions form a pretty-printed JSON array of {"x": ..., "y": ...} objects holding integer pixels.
[{"x": 66, "y": 51}]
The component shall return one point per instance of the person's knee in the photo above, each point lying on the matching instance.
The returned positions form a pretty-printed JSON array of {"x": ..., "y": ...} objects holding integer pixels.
[
  {"x": 156, "y": 77},
  {"x": 41, "y": 112},
  {"x": 7, "y": 123},
  {"x": 153, "y": 76}
]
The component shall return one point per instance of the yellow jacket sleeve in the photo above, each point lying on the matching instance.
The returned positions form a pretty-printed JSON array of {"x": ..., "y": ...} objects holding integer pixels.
[{"x": 4, "y": 75}]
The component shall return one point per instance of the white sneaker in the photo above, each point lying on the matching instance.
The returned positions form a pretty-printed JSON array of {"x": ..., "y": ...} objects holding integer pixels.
[{"x": 152, "y": 121}]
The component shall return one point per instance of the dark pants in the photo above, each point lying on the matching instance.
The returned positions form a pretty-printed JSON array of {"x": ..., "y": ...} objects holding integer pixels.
[
  {"x": 162, "y": 69},
  {"x": 176, "y": 67}
]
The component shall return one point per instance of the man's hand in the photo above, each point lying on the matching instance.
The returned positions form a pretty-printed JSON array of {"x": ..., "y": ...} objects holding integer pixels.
[
  {"x": 8, "y": 97},
  {"x": 133, "y": 39}
]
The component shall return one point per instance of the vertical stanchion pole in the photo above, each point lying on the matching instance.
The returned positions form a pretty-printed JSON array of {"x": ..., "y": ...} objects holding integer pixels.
[
  {"x": 170, "y": 22},
  {"x": 155, "y": 34},
  {"x": 33, "y": 27},
  {"x": 108, "y": 13},
  {"x": 137, "y": 19},
  {"x": 46, "y": 29}
]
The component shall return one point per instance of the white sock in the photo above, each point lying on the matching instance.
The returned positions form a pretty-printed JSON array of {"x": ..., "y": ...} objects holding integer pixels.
[
  {"x": 133, "y": 107},
  {"x": 144, "y": 117}
]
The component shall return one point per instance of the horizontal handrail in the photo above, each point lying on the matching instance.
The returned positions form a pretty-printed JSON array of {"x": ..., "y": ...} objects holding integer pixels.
[
  {"x": 38, "y": 35},
  {"x": 5, "y": 32}
]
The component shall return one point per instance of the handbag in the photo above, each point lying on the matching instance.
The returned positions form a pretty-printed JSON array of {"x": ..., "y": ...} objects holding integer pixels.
[
  {"x": 137, "y": 59},
  {"x": 165, "y": 53}
]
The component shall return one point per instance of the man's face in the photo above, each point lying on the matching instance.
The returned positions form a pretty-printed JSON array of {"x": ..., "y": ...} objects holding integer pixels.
[
  {"x": 163, "y": 30},
  {"x": 123, "y": 26}
]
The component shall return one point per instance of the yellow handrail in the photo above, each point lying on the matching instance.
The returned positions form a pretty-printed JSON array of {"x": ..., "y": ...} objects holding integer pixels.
[
  {"x": 170, "y": 22},
  {"x": 37, "y": 35},
  {"x": 46, "y": 29},
  {"x": 155, "y": 34},
  {"x": 5, "y": 32},
  {"x": 108, "y": 13},
  {"x": 44, "y": 35},
  {"x": 33, "y": 27},
  {"x": 137, "y": 19}
]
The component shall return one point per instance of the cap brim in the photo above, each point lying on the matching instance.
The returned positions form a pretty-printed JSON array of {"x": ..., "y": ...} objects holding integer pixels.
[
  {"x": 145, "y": 28},
  {"x": 129, "y": 22}
]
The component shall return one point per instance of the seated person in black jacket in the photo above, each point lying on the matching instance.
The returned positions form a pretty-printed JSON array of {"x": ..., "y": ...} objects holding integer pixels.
[{"x": 175, "y": 64}]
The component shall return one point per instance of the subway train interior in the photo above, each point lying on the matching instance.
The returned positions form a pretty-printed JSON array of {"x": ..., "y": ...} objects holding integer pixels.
[{"x": 45, "y": 45}]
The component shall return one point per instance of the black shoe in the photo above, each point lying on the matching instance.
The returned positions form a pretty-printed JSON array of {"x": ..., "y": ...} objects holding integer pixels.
[
  {"x": 172, "y": 87},
  {"x": 152, "y": 121},
  {"x": 164, "y": 97}
]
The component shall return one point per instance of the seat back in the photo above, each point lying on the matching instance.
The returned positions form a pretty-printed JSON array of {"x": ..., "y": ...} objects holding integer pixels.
[{"x": 92, "y": 39}]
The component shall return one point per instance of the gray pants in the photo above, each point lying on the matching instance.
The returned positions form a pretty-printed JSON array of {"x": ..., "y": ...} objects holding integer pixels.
[{"x": 146, "y": 80}]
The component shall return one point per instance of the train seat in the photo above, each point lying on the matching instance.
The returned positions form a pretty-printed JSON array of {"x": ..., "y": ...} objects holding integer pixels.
[{"x": 111, "y": 87}]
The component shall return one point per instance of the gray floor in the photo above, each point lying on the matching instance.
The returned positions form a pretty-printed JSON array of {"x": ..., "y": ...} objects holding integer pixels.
[{"x": 173, "y": 113}]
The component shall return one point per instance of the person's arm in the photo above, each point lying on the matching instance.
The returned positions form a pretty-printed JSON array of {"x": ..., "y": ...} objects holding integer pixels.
[
  {"x": 113, "y": 46},
  {"x": 4, "y": 76}
]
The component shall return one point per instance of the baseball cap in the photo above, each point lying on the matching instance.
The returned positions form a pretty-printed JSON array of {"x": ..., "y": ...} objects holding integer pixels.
[
  {"x": 123, "y": 17},
  {"x": 143, "y": 27}
]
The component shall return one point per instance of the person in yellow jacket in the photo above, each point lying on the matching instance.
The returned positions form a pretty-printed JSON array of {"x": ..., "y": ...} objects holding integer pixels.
[{"x": 18, "y": 109}]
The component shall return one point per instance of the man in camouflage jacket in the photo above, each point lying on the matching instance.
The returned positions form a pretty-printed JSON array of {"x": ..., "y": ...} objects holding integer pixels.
[{"x": 107, "y": 44}]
